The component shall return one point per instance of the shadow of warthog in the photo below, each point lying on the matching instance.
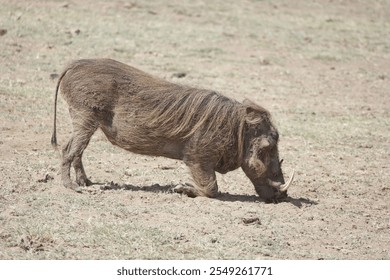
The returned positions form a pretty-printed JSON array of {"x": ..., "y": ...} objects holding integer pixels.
[{"x": 223, "y": 196}]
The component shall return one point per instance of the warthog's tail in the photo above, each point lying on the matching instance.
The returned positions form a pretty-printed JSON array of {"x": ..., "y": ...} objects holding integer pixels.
[{"x": 54, "y": 135}]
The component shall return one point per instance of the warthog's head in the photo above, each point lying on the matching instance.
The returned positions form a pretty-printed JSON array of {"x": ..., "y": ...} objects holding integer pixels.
[{"x": 260, "y": 155}]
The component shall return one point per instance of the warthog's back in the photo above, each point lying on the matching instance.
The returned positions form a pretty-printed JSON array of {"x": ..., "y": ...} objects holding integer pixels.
[{"x": 98, "y": 83}]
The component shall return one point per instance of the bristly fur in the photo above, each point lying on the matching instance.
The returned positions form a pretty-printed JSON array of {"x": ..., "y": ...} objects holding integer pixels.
[{"x": 185, "y": 112}]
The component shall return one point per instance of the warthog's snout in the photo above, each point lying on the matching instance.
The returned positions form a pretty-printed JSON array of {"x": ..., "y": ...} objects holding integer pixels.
[
  {"x": 271, "y": 190},
  {"x": 282, "y": 187}
]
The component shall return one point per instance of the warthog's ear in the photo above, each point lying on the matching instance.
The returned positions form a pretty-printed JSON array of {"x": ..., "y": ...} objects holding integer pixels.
[
  {"x": 255, "y": 113},
  {"x": 251, "y": 107}
]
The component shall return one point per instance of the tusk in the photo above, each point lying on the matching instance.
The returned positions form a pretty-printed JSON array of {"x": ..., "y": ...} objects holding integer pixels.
[{"x": 284, "y": 187}]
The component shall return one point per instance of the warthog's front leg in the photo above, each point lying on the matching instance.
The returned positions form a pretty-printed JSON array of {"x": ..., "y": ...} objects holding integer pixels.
[{"x": 205, "y": 182}]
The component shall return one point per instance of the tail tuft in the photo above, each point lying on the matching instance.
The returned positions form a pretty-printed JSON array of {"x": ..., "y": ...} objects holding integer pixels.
[{"x": 54, "y": 141}]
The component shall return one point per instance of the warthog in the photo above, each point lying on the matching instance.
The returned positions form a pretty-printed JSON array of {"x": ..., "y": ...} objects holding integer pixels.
[{"x": 146, "y": 115}]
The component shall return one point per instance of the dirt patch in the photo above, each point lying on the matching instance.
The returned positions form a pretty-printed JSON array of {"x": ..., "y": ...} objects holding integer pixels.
[{"x": 322, "y": 69}]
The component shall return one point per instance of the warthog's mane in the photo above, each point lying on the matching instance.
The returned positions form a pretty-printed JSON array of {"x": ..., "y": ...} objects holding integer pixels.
[{"x": 181, "y": 112}]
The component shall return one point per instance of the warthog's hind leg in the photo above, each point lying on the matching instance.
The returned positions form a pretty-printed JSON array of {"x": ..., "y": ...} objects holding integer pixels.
[
  {"x": 83, "y": 129},
  {"x": 81, "y": 177},
  {"x": 205, "y": 182}
]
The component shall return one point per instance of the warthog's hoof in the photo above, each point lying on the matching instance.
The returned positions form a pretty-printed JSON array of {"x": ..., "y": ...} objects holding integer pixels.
[
  {"x": 186, "y": 189},
  {"x": 84, "y": 182}
]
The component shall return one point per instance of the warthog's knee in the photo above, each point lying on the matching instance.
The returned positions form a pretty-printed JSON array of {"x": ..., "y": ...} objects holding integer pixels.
[
  {"x": 186, "y": 189},
  {"x": 210, "y": 191},
  {"x": 194, "y": 191}
]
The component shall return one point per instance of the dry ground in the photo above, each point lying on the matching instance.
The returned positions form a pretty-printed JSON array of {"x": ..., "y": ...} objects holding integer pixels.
[{"x": 321, "y": 67}]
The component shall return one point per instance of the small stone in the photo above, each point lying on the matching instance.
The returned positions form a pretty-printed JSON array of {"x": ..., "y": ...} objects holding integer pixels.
[
  {"x": 54, "y": 76},
  {"x": 179, "y": 75},
  {"x": 47, "y": 178},
  {"x": 251, "y": 221}
]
